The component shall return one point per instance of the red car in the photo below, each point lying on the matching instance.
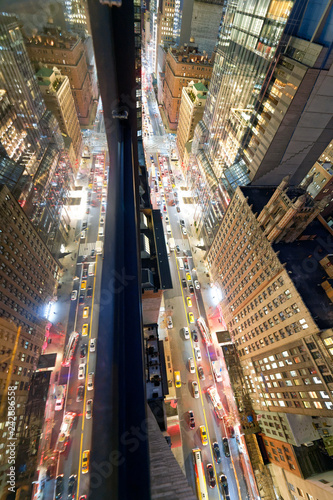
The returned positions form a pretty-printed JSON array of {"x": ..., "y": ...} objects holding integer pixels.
[{"x": 164, "y": 208}]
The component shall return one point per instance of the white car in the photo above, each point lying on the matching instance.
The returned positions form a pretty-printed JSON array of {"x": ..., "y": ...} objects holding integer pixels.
[
  {"x": 191, "y": 365},
  {"x": 186, "y": 333},
  {"x": 195, "y": 389},
  {"x": 197, "y": 353},
  {"x": 92, "y": 345},
  {"x": 89, "y": 405},
  {"x": 197, "y": 284},
  {"x": 74, "y": 295},
  {"x": 90, "y": 381},
  {"x": 169, "y": 322},
  {"x": 184, "y": 231},
  {"x": 82, "y": 371}
]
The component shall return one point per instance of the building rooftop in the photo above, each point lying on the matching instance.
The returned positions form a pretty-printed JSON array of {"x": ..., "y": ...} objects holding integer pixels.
[
  {"x": 44, "y": 72},
  {"x": 302, "y": 256},
  {"x": 200, "y": 87}
]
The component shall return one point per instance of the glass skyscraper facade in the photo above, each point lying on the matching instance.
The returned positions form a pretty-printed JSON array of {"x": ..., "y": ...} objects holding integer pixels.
[{"x": 246, "y": 88}]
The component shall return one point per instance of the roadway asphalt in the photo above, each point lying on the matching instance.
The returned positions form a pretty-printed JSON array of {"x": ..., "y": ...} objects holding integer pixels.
[
  {"x": 176, "y": 306},
  {"x": 80, "y": 438}
]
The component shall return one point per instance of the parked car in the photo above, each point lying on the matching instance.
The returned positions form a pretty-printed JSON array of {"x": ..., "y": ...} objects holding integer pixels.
[
  {"x": 211, "y": 476},
  {"x": 191, "y": 289},
  {"x": 197, "y": 284},
  {"x": 92, "y": 345},
  {"x": 90, "y": 381},
  {"x": 89, "y": 406},
  {"x": 169, "y": 322},
  {"x": 217, "y": 453},
  {"x": 195, "y": 336},
  {"x": 177, "y": 208},
  {"x": 85, "y": 461},
  {"x": 226, "y": 447},
  {"x": 201, "y": 373},
  {"x": 197, "y": 353}
]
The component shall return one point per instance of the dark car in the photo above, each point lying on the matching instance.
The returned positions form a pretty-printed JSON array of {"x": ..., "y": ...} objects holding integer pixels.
[
  {"x": 85, "y": 272},
  {"x": 93, "y": 253},
  {"x": 59, "y": 486},
  {"x": 182, "y": 222},
  {"x": 81, "y": 299},
  {"x": 71, "y": 492},
  {"x": 79, "y": 393},
  {"x": 195, "y": 336},
  {"x": 211, "y": 476},
  {"x": 201, "y": 373},
  {"x": 83, "y": 351},
  {"x": 217, "y": 453},
  {"x": 224, "y": 485},
  {"x": 226, "y": 447},
  {"x": 177, "y": 249},
  {"x": 178, "y": 209},
  {"x": 89, "y": 291},
  {"x": 191, "y": 289},
  {"x": 191, "y": 421},
  {"x": 84, "y": 224},
  {"x": 184, "y": 283},
  {"x": 88, "y": 211}
]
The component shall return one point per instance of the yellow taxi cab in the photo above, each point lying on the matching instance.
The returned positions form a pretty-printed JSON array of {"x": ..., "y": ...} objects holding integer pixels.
[
  {"x": 83, "y": 284},
  {"x": 85, "y": 461},
  {"x": 160, "y": 184},
  {"x": 178, "y": 382},
  {"x": 188, "y": 277},
  {"x": 203, "y": 435},
  {"x": 189, "y": 301},
  {"x": 85, "y": 312},
  {"x": 85, "y": 329},
  {"x": 191, "y": 317}
]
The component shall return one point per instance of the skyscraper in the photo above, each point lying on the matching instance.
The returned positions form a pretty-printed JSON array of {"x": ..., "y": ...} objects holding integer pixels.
[
  {"x": 262, "y": 95},
  {"x": 28, "y": 279},
  {"x": 58, "y": 98},
  {"x": 17, "y": 78},
  {"x": 77, "y": 17},
  {"x": 54, "y": 47}
]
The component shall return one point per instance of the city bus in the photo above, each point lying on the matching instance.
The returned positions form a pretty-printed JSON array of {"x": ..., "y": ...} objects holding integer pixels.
[
  {"x": 204, "y": 330},
  {"x": 70, "y": 348},
  {"x": 200, "y": 478}
]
